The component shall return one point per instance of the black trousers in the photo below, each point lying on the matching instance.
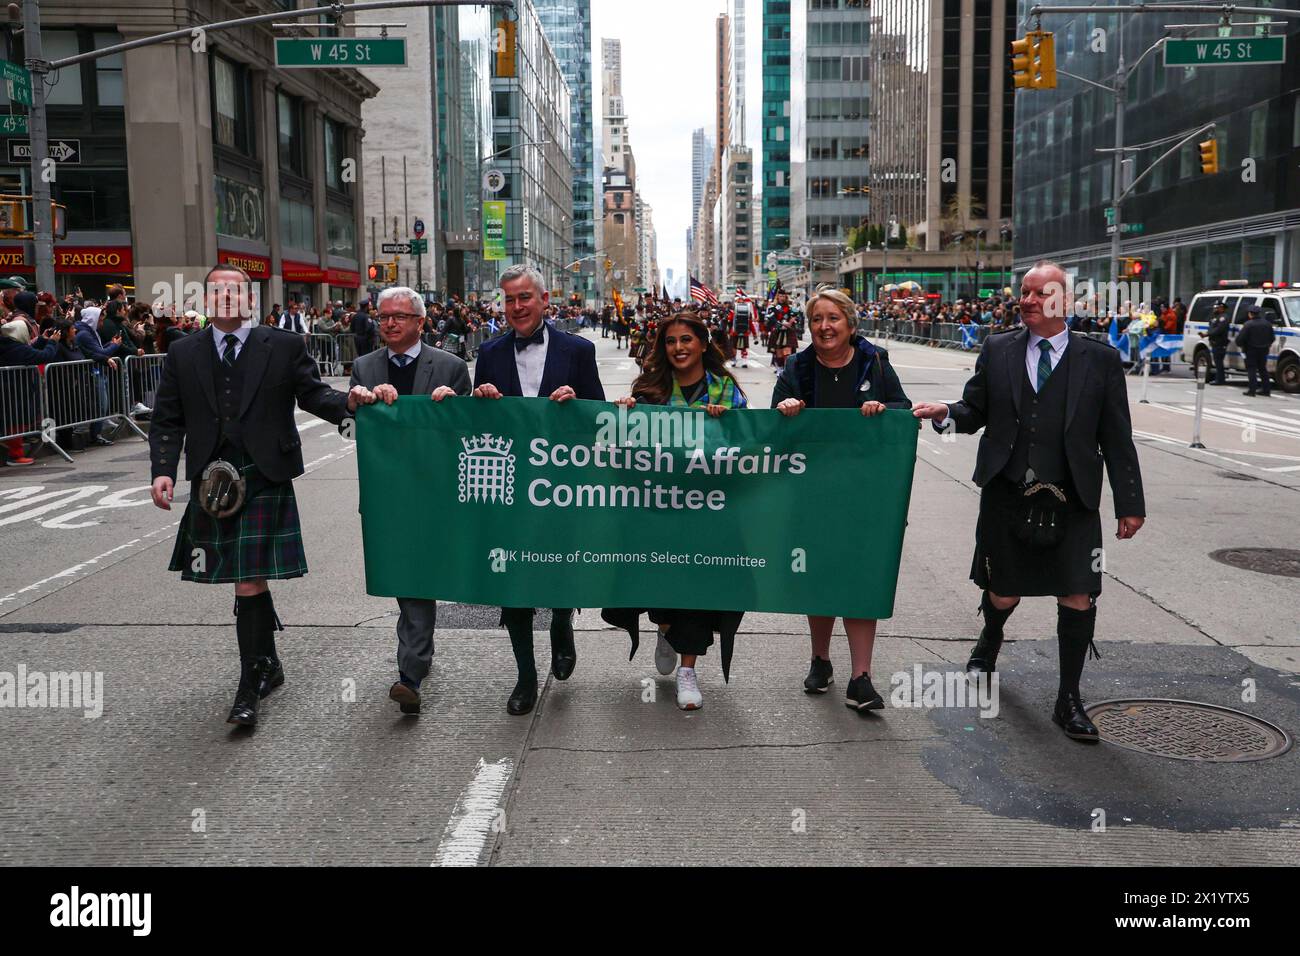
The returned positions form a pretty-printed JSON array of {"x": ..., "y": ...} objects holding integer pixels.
[
  {"x": 1257, "y": 364},
  {"x": 1219, "y": 352}
]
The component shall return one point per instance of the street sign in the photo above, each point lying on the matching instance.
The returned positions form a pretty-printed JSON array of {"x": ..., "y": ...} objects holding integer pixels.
[
  {"x": 1134, "y": 227},
  {"x": 60, "y": 150},
  {"x": 419, "y": 247},
  {"x": 395, "y": 248},
  {"x": 494, "y": 180},
  {"x": 15, "y": 123},
  {"x": 18, "y": 82},
  {"x": 789, "y": 262},
  {"x": 1226, "y": 51},
  {"x": 1110, "y": 215},
  {"x": 418, "y": 228},
  {"x": 335, "y": 52}
]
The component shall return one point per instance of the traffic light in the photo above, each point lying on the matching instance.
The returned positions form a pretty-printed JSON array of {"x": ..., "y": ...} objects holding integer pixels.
[
  {"x": 375, "y": 272},
  {"x": 1209, "y": 156},
  {"x": 1133, "y": 267},
  {"x": 1033, "y": 61}
]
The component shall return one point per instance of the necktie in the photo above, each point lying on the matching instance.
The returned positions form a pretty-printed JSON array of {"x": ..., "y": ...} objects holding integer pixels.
[
  {"x": 1044, "y": 362},
  {"x": 401, "y": 361},
  {"x": 228, "y": 353},
  {"x": 537, "y": 338}
]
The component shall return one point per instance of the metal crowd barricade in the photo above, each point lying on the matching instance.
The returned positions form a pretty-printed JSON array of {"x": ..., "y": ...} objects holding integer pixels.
[
  {"x": 321, "y": 346},
  {"x": 140, "y": 376},
  {"x": 21, "y": 409},
  {"x": 83, "y": 393}
]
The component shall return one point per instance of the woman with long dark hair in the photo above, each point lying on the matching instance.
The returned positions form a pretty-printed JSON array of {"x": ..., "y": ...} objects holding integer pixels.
[{"x": 683, "y": 369}]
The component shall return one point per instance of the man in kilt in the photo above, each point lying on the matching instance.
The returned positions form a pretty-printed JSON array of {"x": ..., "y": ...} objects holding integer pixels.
[
  {"x": 1053, "y": 406},
  {"x": 227, "y": 397}
]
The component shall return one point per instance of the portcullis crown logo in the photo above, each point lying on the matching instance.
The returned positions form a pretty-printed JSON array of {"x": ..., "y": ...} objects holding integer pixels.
[{"x": 487, "y": 469}]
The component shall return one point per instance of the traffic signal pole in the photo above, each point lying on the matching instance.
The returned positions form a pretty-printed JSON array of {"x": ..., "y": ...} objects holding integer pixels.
[{"x": 42, "y": 213}]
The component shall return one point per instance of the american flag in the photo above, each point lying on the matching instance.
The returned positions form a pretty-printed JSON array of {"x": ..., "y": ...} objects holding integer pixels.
[
  {"x": 741, "y": 296},
  {"x": 702, "y": 293}
]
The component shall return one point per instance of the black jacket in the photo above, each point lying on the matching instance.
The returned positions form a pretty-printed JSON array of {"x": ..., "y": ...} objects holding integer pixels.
[
  {"x": 39, "y": 352},
  {"x": 1257, "y": 333},
  {"x": 1097, "y": 424},
  {"x": 876, "y": 379},
  {"x": 277, "y": 372},
  {"x": 1217, "y": 333}
]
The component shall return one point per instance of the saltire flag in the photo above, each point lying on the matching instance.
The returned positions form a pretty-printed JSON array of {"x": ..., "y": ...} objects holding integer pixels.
[
  {"x": 1116, "y": 339},
  {"x": 969, "y": 336},
  {"x": 702, "y": 293},
  {"x": 774, "y": 291},
  {"x": 1159, "y": 345}
]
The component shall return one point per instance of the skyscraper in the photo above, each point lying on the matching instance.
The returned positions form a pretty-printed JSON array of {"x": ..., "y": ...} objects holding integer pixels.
[
  {"x": 738, "y": 73},
  {"x": 567, "y": 24},
  {"x": 776, "y": 125}
]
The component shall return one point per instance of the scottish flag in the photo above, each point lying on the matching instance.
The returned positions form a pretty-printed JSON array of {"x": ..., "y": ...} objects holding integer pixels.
[
  {"x": 1118, "y": 339},
  {"x": 969, "y": 336},
  {"x": 1160, "y": 345}
]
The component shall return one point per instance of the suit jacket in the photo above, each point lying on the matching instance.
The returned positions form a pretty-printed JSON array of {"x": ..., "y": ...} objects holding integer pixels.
[
  {"x": 434, "y": 367},
  {"x": 1097, "y": 424},
  {"x": 570, "y": 360},
  {"x": 277, "y": 370}
]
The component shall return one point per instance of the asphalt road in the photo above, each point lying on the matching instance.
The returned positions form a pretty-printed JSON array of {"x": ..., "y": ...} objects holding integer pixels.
[{"x": 607, "y": 770}]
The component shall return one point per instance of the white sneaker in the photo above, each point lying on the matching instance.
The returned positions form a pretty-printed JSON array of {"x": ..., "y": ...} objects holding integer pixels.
[
  {"x": 688, "y": 692},
  {"x": 665, "y": 656}
]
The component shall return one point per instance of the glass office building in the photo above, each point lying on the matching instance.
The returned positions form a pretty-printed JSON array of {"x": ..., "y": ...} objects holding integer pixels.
[
  {"x": 776, "y": 125},
  {"x": 1241, "y": 223},
  {"x": 567, "y": 24}
]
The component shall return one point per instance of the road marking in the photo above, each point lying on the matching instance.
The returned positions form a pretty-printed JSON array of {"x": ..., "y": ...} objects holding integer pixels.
[
  {"x": 475, "y": 813},
  {"x": 1165, "y": 440}
]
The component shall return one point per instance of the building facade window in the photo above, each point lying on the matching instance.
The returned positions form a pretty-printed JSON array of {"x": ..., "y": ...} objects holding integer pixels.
[
  {"x": 232, "y": 115},
  {"x": 297, "y": 224},
  {"x": 335, "y": 152},
  {"x": 289, "y": 129}
]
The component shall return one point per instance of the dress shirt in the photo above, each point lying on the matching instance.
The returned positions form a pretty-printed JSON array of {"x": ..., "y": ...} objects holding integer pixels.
[
  {"x": 413, "y": 351},
  {"x": 219, "y": 338},
  {"x": 1033, "y": 353},
  {"x": 531, "y": 363}
]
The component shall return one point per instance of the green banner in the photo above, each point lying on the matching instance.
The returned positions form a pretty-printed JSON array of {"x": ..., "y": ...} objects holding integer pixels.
[
  {"x": 494, "y": 229},
  {"x": 527, "y": 502}
]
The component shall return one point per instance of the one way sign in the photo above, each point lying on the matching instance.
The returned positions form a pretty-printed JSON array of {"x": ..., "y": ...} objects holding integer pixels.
[{"x": 60, "y": 150}]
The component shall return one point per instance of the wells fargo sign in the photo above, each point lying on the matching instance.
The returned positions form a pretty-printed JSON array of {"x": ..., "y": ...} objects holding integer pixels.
[
  {"x": 108, "y": 260},
  {"x": 301, "y": 272},
  {"x": 343, "y": 278},
  {"x": 257, "y": 267}
]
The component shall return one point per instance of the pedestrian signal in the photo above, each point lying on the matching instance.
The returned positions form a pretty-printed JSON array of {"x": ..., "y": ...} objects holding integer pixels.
[
  {"x": 1033, "y": 61},
  {"x": 375, "y": 272},
  {"x": 1132, "y": 267},
  {"x": 1209, "y": 156}
]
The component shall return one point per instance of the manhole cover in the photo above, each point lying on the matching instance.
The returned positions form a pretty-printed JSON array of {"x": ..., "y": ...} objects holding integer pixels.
[
  {"x": 1280, "y": 561},
  {"x": 1187, "y": 730}
]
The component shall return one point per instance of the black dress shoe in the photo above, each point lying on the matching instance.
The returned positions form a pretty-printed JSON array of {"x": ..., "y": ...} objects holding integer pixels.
[
  {"x": 1070, "y": 716},
  {"x": 523, "y": 698},
  {"x": 244, "y": 710},
  {"x": 271, "y": 675},
  {"x": 564, "y": 655},
  {"x": 407, "y": 697},
  {"x": 101, "y": 440}
]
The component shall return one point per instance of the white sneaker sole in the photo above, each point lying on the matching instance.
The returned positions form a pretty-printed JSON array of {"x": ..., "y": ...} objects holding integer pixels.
[
  {"x": 665, "y": 657},
  {"x": 820, "y": 690},
  {"x": 689, "y": 705}
]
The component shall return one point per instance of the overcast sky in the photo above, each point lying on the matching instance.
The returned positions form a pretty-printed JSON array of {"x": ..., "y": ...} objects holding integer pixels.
[{"x": 668, "y": 91}]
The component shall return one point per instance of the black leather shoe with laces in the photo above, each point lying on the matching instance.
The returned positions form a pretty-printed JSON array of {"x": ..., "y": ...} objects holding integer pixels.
[{"x": 1070, "y": 716}]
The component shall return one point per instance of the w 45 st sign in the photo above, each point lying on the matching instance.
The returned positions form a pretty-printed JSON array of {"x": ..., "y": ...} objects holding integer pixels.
[{"x": 1226, "y": 51}]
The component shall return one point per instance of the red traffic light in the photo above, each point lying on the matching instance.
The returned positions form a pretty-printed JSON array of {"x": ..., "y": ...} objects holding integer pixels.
[{"x": 374, "y": 272}]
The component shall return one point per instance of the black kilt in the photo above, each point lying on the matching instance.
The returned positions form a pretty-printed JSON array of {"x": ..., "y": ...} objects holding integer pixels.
[
  {"x": 1008, "y": 567},
  {"x": 262, "y": 542}
]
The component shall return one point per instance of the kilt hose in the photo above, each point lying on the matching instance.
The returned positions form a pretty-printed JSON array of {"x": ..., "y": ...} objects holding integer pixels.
[
  {"x": 1008, "y": 567},
  {"x": 262, "y": 541}
]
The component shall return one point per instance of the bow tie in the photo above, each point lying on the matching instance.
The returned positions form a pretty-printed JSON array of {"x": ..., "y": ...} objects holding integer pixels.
[{"x": 537, "y": 338}]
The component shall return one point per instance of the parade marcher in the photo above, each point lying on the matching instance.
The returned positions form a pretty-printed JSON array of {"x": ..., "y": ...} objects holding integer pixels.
[
  {"x": 1054, "y": 407},
  {"x": 1255, "y": 339},
  {"x": 839, "y": 370},
  {"x": 1217, "y": 335},
  {"x": 227, "y": 398},
  {"x": 409, "y": 367},
  {"x": 684, "y": 371},
  {"x": 535, "y": 359}
]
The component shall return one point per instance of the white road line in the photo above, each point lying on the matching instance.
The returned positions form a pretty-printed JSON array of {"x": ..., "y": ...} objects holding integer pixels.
[
  {"x": 314, "y": 423},
  {"x": 1284, "y": 429},
  {"x": 1165, "y": 440},
  {"x": 77, "y": 569},
  {"x": 475, "y": 815}
]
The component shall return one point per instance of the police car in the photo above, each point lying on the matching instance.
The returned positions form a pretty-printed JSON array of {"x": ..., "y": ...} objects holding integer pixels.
[{"x": 1280, "y": 299}]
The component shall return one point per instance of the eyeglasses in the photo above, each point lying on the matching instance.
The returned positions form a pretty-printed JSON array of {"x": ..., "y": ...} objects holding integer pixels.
[{"x": 397, "y": 316}]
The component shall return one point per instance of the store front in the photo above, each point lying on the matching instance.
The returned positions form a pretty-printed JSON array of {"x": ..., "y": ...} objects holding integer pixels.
[
  {"x": 90, "y": 269},
  {"x": 302, "y": 282},
  {"x": 344, "y": 285}
]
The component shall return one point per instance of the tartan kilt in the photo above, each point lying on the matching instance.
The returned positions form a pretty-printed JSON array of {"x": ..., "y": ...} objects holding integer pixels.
[{"x": 263, "y": 541}]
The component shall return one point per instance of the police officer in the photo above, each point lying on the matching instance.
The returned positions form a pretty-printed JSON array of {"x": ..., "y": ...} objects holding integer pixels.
[
  {"x": 1217, "y": 336},
  {"x": 1254, "y": 339}
]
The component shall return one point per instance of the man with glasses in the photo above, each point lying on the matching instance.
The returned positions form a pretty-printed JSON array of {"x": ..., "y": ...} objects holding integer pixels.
[
  {"x": 535, "y": 359},
  {"x": 407, "y": 366}
]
